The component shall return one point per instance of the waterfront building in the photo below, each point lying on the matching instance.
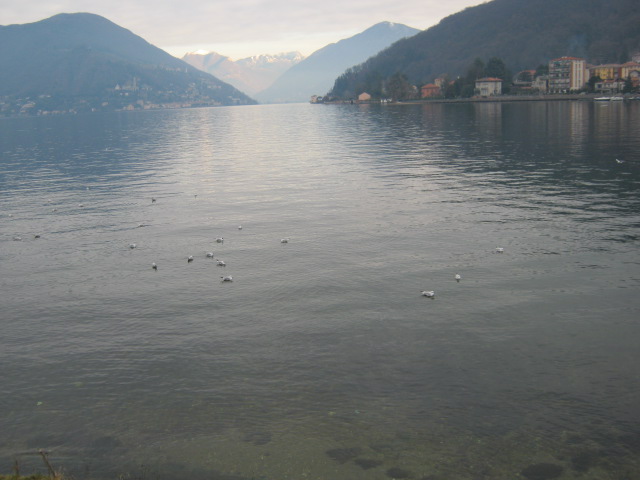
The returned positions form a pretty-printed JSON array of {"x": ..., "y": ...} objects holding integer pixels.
[
  {"x": 567, "y": 74},
  {"x": 489, "y": 86},
  {"x": 430, "y": 90}
]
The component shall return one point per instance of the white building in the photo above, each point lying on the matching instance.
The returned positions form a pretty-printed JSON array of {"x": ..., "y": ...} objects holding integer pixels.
[{"x": 489, "y": 86}]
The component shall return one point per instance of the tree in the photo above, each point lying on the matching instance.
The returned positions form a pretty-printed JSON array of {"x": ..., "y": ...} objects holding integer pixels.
[
  {"x": 542, "y": 70},
  {"x": 628, "y": 85},
  {"x": 591, "y": 84},
  {"x": 374, "y": 84},
  {"x": 475, "y": 71},
  {"x": 399, "y": 88},
  {"x": 452, "y": 89},
  {"x": 496, "y": 68},
  {"x": 468, "y": 91}
]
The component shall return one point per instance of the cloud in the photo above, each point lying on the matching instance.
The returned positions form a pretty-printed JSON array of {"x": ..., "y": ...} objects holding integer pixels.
[{"x": 177, "y": 25}]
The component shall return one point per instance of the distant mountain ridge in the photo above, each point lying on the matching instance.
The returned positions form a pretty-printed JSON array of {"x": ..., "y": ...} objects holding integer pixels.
[
  {"x": 316, "y": 73},
  {"x": 523, "y": 33},
  {"x": 250, "y": 75},
  {"x": 82, "y": 58}
]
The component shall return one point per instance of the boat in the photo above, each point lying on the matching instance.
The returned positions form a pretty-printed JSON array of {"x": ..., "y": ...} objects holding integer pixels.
[{"x": 602, "y": 99}]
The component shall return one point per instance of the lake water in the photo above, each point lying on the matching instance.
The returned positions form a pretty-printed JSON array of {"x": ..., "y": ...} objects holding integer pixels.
[{"x": 322, "y": 360}]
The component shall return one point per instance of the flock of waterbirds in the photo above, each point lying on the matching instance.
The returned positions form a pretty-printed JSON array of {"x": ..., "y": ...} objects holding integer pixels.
[
  {"x": 221, "y": 263},
  {"x": 190, "y": 258},
  {"x": 228, "y": 278}
]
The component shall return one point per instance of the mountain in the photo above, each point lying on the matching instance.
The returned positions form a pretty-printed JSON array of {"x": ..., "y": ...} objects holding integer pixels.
[
  {"x": 250, "y": 75},
  {"x": 316, "y": 73},
  {"x": 523, "y": 33},
  {"x": 81, "y": 61}
]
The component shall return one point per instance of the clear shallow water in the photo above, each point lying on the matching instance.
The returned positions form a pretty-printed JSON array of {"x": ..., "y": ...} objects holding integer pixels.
[{"x": 322, "y": 354}]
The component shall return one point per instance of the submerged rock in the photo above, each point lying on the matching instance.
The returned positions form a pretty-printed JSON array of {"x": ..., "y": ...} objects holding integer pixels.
[
  {"x": 342, "y": 455},
  {"x": 542, "y": 471},
  {"x": 396, "y": 472},
  {"x": 367, "y": 463},
  {"x": 257, "y": 438},
  {"x": 583, "y": 461},
  {"x": 105, "y": 445}
]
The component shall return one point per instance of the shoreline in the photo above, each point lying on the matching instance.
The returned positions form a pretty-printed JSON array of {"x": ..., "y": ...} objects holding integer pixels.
[{"x": 496, "y": 99}]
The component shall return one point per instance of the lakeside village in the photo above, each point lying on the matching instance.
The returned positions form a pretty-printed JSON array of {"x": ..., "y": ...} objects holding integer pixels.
[{"x": 562, "y": 76}]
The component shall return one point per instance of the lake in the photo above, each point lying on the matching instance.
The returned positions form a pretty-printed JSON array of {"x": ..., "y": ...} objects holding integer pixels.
[{"x": 322, "y": 360}]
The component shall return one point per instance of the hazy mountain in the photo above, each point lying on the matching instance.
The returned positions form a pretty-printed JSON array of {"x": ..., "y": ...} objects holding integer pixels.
[
  {"x": 83, "y": 60},
  {"x": 250, "y": 75},
  {"x": 316, "y": 73},
  {"x": 523, "y": 33}
]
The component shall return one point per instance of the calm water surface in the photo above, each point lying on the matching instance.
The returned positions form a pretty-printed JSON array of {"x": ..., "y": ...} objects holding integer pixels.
[{"x": 321, "y": 360}]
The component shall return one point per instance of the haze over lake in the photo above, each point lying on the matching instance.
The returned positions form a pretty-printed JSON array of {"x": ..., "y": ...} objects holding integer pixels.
[{"x": 321, "y": 359}]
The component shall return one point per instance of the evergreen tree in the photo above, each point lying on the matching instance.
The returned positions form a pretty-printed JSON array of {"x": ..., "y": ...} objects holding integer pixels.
[{"x": 399, "y": 88}]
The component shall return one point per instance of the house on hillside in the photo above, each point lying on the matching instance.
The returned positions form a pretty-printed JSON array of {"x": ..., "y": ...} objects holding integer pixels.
[
  {"x": 489, "y": 86},
  {"x": 430, "y": 90},
  {"x": 524, "y": 78}
]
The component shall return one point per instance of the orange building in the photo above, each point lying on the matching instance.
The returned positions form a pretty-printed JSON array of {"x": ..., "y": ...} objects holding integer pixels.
[{"x": 430, "y": 90}]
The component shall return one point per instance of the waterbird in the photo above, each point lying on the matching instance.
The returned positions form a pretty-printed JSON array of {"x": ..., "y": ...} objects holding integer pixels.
[
  {"x": 209, "y": 254},
  {"x": 220, "y": 240},
  {"x": 499, "y": 250},
  {"x": 154, "y": 266},
  {"x": 153, "y": 200},
  {"x": 239, "y": 227},
  {"x": 36, "y": 236},
  {"x": 221, "y": 263},
  {"x": 458, "y": 277},
  {"x": 284, "y": 240},
  {"x": 228, "y": 278},
  {"x": 619, "y": 161},
  {"x": 132, "y": 245},
  {"x": 429, "y": 293},
  {"x": 190, "y": 259}
]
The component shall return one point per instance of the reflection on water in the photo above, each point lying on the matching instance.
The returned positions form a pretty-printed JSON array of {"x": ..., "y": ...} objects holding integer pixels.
[{"x": 321, "y": 359}]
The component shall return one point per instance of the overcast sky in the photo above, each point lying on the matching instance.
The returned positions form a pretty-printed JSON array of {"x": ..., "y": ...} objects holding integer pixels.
[{"x": 241, "y": 28}]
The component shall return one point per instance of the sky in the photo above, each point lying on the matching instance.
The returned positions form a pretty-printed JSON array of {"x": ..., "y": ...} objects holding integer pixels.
[{"x": 241, "y": 28}]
